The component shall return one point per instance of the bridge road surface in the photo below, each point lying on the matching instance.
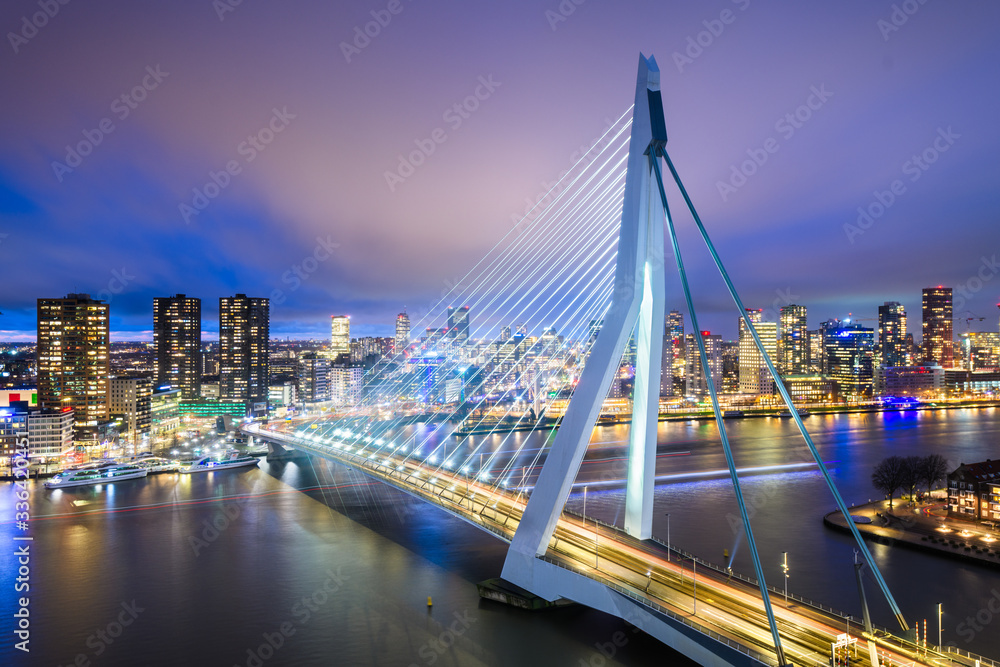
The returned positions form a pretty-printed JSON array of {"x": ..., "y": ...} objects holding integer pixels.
[{"x": 730, "y": 608}]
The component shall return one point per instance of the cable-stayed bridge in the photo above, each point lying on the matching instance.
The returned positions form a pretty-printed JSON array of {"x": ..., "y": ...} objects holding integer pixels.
[{"x": 578, "y": 287}]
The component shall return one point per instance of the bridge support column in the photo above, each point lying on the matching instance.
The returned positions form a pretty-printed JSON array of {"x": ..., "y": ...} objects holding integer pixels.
[{"x": 638, "y": 297}]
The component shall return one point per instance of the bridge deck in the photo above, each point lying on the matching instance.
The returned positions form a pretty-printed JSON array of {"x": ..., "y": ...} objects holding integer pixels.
[{"x": 726, "y": 608}]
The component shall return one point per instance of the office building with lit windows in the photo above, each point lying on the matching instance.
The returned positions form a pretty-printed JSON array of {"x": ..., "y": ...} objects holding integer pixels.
[
  {"x": 402, "y": 339},
  {"x": 892, "y": 344},
  {"x": 340, "y": 336},
  {"x": 177, "y": 342},
  {"x": 938, "y": 326},
  {"x": 244, "y": 359},
  {"x": 850, "y": 357},
  {"x": 755, "y": 378},
  {"x": 458, "y": 324},
  {"x": 73, "y": 360},
  {"x": 793, "y": 346}
]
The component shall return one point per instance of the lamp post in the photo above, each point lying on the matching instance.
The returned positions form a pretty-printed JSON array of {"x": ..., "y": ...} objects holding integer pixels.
[
  {"x": 668, "y": 537},
  {"x": 649, "y": 579},
  {"x": 940, "y": 646},
  {"x": 784, "y": 568}
]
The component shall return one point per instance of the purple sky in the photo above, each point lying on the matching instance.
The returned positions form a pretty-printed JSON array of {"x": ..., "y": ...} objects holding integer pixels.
[{"x": 113, "y": 225}]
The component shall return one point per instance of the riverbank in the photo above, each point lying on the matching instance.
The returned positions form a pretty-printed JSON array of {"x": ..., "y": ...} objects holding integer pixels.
[
  {"x": 544, "y": 423},
  {"x": 923, "y": 526}
]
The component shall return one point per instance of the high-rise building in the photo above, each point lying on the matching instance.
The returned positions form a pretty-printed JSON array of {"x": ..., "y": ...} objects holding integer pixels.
[
  {"x": 73, "y": 360},
  {"x": 345, "y": 384},
  {"x": 730, "y": 367},
  {"x": 177, "y": 342},
  {"x": 697, "y": 380},
  {"x": 755, "y": 378},
  {"x": 892, "y": 345},
  {"x": 340, "y": 336},
  {"x": 938, "y": 327},
  {"x": 850, "y": 352},
  {"x": 981, "y": 350},
  {"x": 314, "y": 378},
  {"x": 458, "y": 324},
  {"x": 129, "y": 401},
  {"x": 244, "y": 359},
  {"x": 402, "y": 340},
  {"x": 793, "y": 349},
  {"x": 673, "y": 363}
]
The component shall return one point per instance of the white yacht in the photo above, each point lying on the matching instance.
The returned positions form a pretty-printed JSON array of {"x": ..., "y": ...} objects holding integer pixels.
[
  {"x": 207, "y": 463},
  {"x": 98, "y": 474}
]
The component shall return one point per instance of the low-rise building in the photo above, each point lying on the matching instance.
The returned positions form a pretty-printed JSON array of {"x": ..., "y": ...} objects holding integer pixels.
[
  {"x": 974, "y": 491},
  {"x": 49, "y": 431}
]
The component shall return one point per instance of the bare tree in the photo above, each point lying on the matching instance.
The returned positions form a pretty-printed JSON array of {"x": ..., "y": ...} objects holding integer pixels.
[
  {"x": 888, "y": 476},
  {"x": 933, "y": 469},
  {"x": 911, "y": 475}
]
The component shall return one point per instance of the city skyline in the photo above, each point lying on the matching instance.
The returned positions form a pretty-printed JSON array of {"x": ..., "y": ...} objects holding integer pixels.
[{"x": 900, "y": 127}]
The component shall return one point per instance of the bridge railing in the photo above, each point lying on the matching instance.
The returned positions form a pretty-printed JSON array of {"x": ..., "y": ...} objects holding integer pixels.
[
  {"x": 698, "y": 627},
  {"x": 721, "y": 570}
]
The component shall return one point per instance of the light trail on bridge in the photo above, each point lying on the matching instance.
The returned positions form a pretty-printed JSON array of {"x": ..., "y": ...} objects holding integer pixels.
[{"x": 726, "y": 603}]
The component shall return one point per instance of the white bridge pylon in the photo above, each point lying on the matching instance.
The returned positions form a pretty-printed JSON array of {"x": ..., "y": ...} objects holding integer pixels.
[{"x": 637, "y": 304}]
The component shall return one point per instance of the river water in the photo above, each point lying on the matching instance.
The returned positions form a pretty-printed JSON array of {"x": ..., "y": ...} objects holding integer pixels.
[{"x": 307, "y": 563}]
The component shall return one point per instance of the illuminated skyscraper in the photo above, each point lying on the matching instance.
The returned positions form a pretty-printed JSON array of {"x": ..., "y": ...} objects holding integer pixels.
[
  {"x": 244, "y": 328},
  {"x": 672, "y": 367},
  {"x": 73, "y": 360},
  {"x": 177, "y": 338},
  {"x": 938, "y": 327},
  {"x": 697, "y": 380},
  {"x": 402, "y": 340},
  {"x": 893, "y": 348},
  {"x": 754, "y": 376},
  {"x": 850, "y": 352},
  {"x": 340, "y": 336},
  {"x": 793, "y": 350},
  {"x": 458, "y": 324}
]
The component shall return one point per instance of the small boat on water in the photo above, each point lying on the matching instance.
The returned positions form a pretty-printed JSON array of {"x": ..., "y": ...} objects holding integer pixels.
[
  {"x": 802, "y": 413},
  {"x": 208, "y": 463},
  {"x": 101, "y": 473}
]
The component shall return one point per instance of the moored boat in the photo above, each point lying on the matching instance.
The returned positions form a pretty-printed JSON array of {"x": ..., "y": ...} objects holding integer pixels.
[{"x": 99, "y": 474}]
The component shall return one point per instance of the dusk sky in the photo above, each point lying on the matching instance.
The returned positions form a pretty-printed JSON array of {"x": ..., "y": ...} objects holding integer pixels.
[{"x": 888, "y": 82}]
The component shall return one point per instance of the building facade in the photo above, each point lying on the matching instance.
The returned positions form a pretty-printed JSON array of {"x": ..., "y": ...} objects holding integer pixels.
[
  {"x": 129, "y": 400},
  {"x": 892, "y": 344},
  {"x": 938, "y": 326},
  {"x": 793, "y": 348},
  {"x": 850, "y": 358},
  {"x": 177, "y": 343},
  {"x": 697, "y": 380},
  {"x": 402, "y": 338},
  {"x": 755, "y": 378},
  {"x": 974, "y": 492},
  {"x": 313, "y": 378},
  {"x": 244, "y": 357},
  {"x": 74, "y": 361},
  {"x": 458, "y": 324},
  {"x": 340, "y": 336}
]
